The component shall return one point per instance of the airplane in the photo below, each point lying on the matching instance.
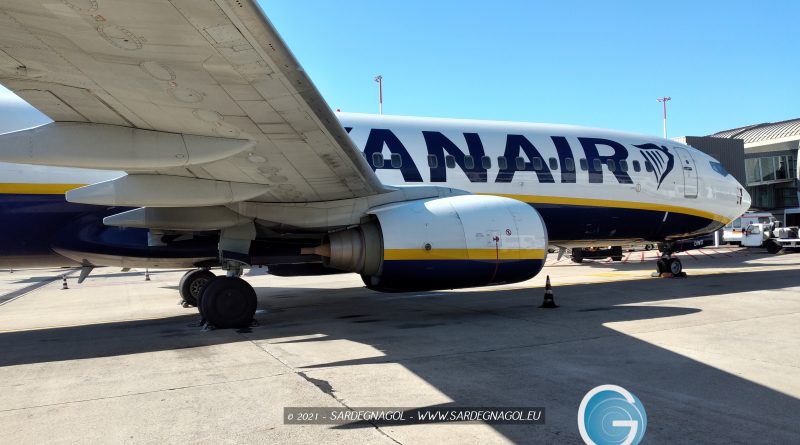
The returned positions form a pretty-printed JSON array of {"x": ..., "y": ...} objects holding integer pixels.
[{"x": 186, "y": 134}]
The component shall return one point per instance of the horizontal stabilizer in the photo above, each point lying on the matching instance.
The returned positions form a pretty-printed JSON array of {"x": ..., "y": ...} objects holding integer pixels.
[
  {"x": 164, "y": 191},
  {"x": 113, "y": 147},
  {"x": 189, "y": 219}
]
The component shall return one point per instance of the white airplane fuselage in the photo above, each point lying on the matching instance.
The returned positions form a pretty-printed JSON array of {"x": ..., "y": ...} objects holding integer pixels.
[{"x": 591, "y": 186}]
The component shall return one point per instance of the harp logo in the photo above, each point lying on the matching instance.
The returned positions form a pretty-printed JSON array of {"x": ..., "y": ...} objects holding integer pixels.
[{"x": 662, "y": 160}]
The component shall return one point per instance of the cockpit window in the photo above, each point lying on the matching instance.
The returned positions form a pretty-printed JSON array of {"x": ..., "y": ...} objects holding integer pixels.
[{"x": 717, "y": 167}]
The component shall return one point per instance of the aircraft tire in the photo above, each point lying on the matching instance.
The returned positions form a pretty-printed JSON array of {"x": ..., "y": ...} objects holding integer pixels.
[
  {"x": 661, "y": 266},
  {"x": 675, "y": 267},
  {"x": 228, "y": 302},
  {"x": 192, "y": 284}
]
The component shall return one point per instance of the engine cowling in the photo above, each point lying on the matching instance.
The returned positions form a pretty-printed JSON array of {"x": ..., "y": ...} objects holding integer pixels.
[{"x": 442, "y": 243}]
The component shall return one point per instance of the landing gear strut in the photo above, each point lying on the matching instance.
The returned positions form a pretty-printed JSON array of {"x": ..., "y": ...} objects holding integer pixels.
[
  {"x": 228, "y": 302},
  {"x": 192, "y": 284}
]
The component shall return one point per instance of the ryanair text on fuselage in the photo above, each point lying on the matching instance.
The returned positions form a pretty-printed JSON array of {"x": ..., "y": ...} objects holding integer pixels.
[{"x": 658, "y": 159}]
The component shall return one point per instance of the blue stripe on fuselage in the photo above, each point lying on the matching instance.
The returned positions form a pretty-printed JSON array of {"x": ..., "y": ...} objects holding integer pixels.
[
  {"x": 28, "y": 223},
  {"x": 575, "y": 223}
]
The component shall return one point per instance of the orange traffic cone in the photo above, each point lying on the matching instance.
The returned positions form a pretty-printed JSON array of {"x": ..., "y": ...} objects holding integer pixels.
[{"x": 549, "y": 301}]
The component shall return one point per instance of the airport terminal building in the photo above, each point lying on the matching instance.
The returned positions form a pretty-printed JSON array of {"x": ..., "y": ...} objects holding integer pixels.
[
  {"x": 770, "y": 162},
  {"x": 763, "y": 157}
]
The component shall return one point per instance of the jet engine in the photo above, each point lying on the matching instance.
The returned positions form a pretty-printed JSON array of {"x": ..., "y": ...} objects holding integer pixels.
[{"x": 441, "y": 243}]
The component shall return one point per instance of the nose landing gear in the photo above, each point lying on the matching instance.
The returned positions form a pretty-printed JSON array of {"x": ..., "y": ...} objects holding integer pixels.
[{"x": 668, "y": 266}]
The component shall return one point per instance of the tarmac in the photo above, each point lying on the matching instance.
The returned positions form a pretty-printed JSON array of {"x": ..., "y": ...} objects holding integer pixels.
[{"x": 713, "y": 357}]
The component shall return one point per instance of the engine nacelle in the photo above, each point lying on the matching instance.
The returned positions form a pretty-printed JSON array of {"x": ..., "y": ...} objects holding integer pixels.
[{"x": 442, "y": 243}]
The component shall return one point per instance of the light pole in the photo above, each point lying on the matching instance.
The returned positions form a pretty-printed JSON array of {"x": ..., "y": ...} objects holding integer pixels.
[
  {"x": 379, "y": 79},
  {"x": 664, "y": 101}
]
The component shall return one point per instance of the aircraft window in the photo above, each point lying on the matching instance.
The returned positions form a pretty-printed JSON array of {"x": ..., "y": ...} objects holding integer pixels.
[
  {"x": 569, "y": 165},
  {"x": 469, "y": 162},
  {"x": 502, "y": 164},
  {"x": 648, "y": 166},
  {"x": 397, "y": 161},
  {"x": 612, "y": 166},
  {"x": 433, "y": 161},
  {"x": 598, "y": 166},
  {"x": 377, "y": 160},
  {"x": 486, "y": 162},
  {"x": 520, "y": 163},
  {"x": 636, "y": 166},
  {"x": 537, "y": 164},
  {"x": 623, "y": 165},
  {"x": 584, "y": 164},
  {"x": 553, "y": 163},
  {"x": 450, "y": 161}
]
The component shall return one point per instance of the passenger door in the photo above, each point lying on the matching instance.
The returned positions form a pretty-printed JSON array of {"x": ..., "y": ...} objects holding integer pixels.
[{"x": 689, "y": 172}]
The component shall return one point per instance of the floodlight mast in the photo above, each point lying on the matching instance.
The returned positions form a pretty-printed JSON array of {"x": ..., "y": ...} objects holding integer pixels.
[
  {"x": 664, "y": 100},
  {"x": 379, "y": 79}
]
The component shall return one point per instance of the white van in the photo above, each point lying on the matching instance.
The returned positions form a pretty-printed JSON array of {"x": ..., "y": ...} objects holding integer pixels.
[{"x": 732, "y": 233}]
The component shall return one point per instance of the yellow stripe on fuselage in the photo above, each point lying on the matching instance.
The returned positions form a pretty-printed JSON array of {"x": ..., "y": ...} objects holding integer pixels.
[
  {"x": 462, "y": 254},
  {"x": 590, "y": 202},
  {"x": 36, "y": 189}
]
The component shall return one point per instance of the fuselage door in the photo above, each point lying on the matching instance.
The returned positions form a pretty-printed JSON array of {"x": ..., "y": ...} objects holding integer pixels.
[{"x": 689, "y": 172}]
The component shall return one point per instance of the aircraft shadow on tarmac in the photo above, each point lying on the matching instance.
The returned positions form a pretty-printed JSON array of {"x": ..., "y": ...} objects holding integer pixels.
[
  {"x": 692, "y": 261},
  {"x": 489, "y": 348}
]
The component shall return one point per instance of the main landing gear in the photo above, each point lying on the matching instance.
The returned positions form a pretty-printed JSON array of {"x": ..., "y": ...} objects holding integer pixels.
[
  {"x": 192, "y": 284},
  {"x": 223, "y": 302}
]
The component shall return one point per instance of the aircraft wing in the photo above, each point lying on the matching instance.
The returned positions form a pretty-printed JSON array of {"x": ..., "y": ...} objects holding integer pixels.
[{"x": 197, "y": 92}]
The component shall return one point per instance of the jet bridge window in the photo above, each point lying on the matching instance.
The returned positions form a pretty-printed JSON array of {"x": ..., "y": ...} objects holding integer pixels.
[
  {"x": 397, "y": 161},
  {"x": 598, "y": 166},
  {"x": 569, "y": 165},
  {"x": 469, "y": 162},
  {"x": 537, "y": 164},
  {"x": 553, "y": 163},
  {"x": 433, "y": 161},
  {"x": 377, "y": 160},
  {"x": 450, "y": 161},
  {"x": 648, "y": 166},
  {"x": 486, "y": 162},
  {"x": 636, "y": 166},
  {"x": 584, "y": 164},
  {"x": 520, "y": 163},
  {"x": 612, "y": 166},
  {"x": 502, "y": 163}
]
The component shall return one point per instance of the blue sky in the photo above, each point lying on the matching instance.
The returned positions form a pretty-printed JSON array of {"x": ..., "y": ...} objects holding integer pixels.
[{"x": 597, "y": 63}]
